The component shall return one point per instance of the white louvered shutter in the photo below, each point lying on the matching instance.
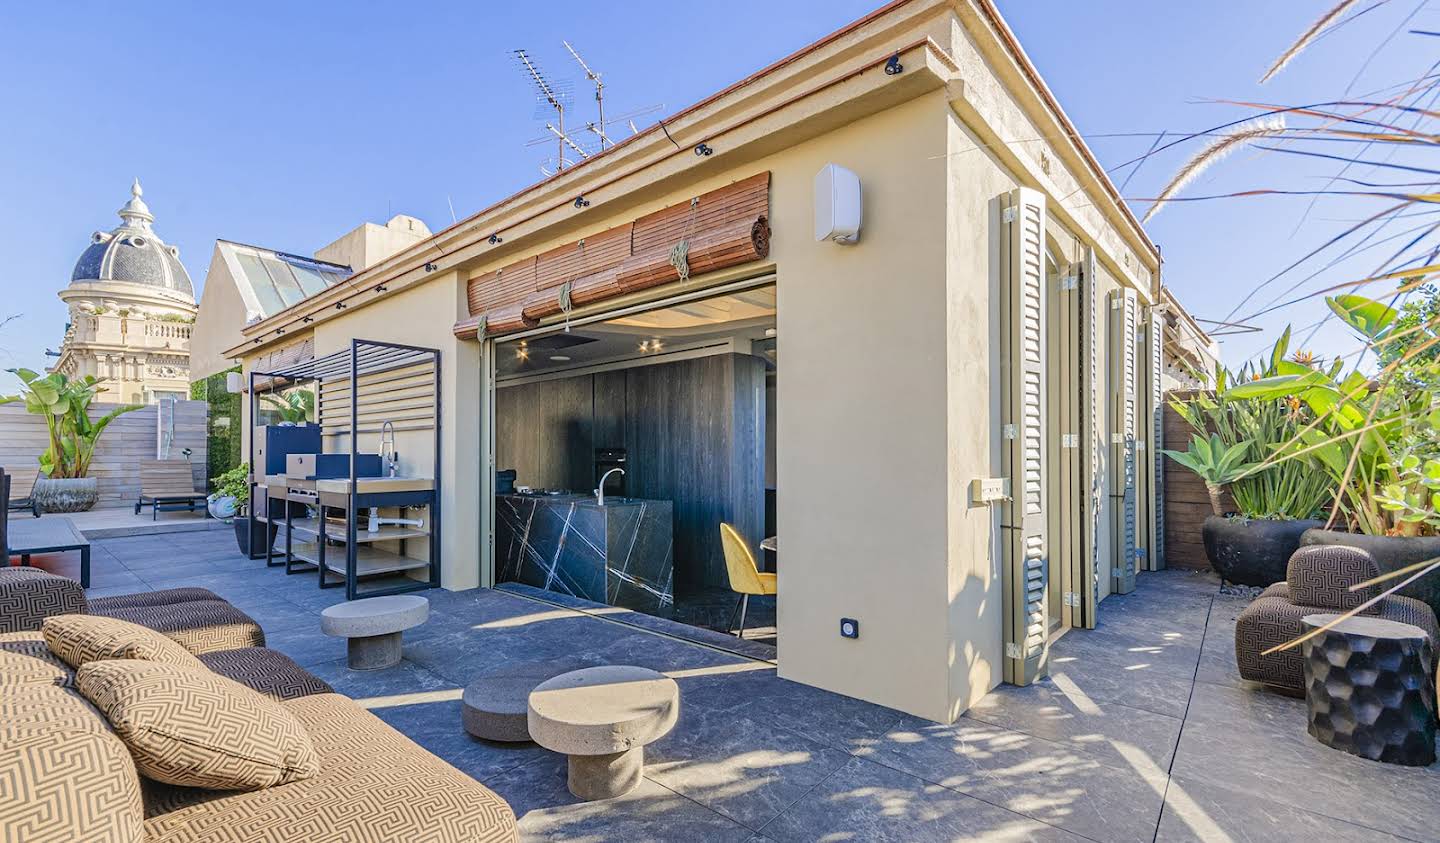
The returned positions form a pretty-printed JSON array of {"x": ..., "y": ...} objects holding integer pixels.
[
  {"x": 1156, "y": 465},
  {"x": 1025, "y": 516},
  {"x": 1092, "y": 429},
  {"x": 1143, "y": 477},
  {"x": 1123, "y": 319}
]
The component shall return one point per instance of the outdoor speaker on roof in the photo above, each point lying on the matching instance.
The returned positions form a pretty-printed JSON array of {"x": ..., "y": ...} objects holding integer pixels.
[{"x": 837, "y": 205}]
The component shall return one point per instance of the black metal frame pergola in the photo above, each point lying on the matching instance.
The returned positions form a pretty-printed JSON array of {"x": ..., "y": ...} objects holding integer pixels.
[{"x": 362, "y": 358}]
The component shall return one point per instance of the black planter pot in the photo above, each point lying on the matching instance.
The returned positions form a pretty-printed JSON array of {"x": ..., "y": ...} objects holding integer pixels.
[
  {"x": 243, "y": 533},
  {"x": 1252, "y": 552},
  {"x": 1391, "y": 553}
]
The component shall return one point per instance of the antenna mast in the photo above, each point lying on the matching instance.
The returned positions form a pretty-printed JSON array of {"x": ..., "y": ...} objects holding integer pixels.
[
  {"x": 554, "y": 96},
  {"x": 598, "y": 127}
]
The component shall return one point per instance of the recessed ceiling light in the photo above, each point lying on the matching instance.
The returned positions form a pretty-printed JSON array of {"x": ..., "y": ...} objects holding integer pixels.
[
  {"x": 560, "y": 358},
  {"x": 769, "y": 332}
]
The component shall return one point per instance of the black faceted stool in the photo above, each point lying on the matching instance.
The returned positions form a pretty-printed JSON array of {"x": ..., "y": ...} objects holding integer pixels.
[{"x": 1370, "y": 689}]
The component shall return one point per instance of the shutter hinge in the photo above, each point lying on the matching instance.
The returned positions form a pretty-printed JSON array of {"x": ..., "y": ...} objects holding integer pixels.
[
  {"x": 1011, "y": 431},
  {"x": 1139, "y": 444},
  {"x": 1117, "y": 439},
  {"x": 1072, "y": 599},
  {"x": 1069, "y": 440},
  {"x": 1116, "y": 303},
  {"x": 1117, "y": 572},
  {"x": 1140, "y": 552},
  {"x": 1069, "y": 282},
  {"x": 1008, "y": 215},
  {"x": 1013, "y": 650}
]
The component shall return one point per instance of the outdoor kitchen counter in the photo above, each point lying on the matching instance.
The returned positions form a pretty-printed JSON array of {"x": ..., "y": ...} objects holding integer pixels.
[{"x": 619, "y": 554}]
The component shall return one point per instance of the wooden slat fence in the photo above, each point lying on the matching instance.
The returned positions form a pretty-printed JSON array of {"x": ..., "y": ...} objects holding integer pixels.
[
  {"x": 128, "y": 441},
  {"x": 1186, "y": 501}
]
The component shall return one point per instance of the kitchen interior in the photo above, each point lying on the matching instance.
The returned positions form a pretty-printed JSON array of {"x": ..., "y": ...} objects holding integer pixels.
[{"x": 622, "y": 446}]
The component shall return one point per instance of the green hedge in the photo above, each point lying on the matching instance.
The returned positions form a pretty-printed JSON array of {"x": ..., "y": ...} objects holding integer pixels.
[{"x": 224, "y": 439}]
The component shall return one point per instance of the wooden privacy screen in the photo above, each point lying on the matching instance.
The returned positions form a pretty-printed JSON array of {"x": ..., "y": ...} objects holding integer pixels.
[
  {"x": 404, "y": 395},
  {"x": 1186, "y": 501},
  {"x": 723, "y": 228}
]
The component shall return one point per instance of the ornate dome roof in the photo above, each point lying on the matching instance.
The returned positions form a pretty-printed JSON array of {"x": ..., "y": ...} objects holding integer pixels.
[{"x": 134, "y": 253}]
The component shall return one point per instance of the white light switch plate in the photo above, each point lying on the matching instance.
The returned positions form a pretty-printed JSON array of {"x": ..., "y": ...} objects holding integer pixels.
[{"x": 985, "y": 490}]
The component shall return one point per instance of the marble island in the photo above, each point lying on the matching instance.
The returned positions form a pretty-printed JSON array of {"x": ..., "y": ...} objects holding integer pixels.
[{"x": 620, "y": 554}]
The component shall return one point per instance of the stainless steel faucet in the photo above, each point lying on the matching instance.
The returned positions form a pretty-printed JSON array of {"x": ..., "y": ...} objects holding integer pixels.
[
  {"x": 600, "y": 492},
  {"x": 387, "y": 437}
]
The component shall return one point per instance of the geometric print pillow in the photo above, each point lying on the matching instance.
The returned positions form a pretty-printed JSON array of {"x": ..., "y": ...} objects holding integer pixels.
[
  {"x": 195, "y": 728},
  {"x": 78, "y": 639}
]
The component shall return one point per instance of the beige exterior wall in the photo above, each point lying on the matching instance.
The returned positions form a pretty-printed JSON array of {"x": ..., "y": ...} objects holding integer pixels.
[
  {"x": 217, "y": 325},
  {"x": 889, "y": 403},
  {"x": 370, "y": 243}
]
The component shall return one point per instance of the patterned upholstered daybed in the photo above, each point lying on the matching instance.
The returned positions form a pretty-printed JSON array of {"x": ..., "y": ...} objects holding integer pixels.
[{"x": 75, "y": 753}]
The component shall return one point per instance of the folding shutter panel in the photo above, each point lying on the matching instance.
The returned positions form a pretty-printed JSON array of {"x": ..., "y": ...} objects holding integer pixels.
[
  {"x": 1092, "y": 438},
  {"x": 1155, "y": 463},
  {"x": 1143, "y": 477},
  {"x": 1123, "y": 307},
  {"x": 1023, "y": 519}
]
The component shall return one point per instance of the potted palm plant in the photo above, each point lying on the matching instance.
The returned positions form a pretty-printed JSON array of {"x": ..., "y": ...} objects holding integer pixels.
[
  {"x": 1252, "y": 543},
  {"x": 64, "y": 484}
]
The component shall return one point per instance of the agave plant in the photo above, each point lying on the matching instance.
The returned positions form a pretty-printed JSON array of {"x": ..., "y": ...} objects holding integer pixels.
[
  {"x": 1215, "y": 463},
  {"x": 65, "y": 404}
]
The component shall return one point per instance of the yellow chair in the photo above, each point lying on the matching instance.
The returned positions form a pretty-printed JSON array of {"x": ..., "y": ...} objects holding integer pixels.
[{"x": 746, "y": 578}]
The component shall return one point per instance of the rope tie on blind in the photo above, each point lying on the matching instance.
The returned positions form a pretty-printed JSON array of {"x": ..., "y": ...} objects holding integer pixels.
[
  {"x": 680, "y": 252},
  {"x": 565, "y": 304}
]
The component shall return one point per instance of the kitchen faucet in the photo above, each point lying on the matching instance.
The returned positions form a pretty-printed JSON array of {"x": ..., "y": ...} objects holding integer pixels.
[
  {"x": 600, "y": 492},
  {"x": 387, "y": 437}
]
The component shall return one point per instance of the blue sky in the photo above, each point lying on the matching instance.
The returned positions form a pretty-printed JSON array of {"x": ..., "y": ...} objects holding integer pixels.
[{"x": 287, "y": 124}]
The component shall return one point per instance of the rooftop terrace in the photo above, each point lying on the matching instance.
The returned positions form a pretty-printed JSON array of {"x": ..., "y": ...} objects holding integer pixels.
[{"x": 1143, "y": 732}]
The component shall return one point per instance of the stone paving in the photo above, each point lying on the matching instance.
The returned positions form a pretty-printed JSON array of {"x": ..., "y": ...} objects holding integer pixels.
[{"x": 1143, "y": 731}]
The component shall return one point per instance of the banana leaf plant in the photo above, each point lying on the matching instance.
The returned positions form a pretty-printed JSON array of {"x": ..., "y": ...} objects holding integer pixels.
[
  {"x": 297, "y": 407},
  {"x": 65, "y": 403},
  {"x": 1215, "y": 462},
  {"x": 1373, "y": 437}
]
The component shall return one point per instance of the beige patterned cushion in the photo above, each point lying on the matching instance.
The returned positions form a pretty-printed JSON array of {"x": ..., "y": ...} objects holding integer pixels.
[
  {"x": 196, "y": 728},
  {"x": 78, "y": 639},
  {"x": 25, "y": 659},
  {"x": 64, "y": 775}
]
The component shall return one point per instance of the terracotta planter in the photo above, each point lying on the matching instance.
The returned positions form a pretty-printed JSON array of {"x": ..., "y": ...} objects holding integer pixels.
[
  {"x": 71, "y": 494},
  {"x": 1252, "y": 552},
  {"x": 1391, "y": 553}
]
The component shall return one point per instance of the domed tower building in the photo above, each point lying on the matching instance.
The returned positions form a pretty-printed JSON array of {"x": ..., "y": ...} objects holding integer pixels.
[{"x": 132, "y": 308}]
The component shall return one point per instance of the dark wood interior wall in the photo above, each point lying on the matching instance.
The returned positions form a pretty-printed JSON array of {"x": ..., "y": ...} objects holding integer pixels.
[
  {"x": 694, "y": 434},
  {"x": 1186, "y": 501}
]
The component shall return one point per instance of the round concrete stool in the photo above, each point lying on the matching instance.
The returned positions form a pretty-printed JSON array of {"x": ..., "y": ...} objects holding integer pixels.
[
  {"x": 373, "y": 627},
  {"x": 496, "y": 706},
  {"x": 602, "y": 717}
]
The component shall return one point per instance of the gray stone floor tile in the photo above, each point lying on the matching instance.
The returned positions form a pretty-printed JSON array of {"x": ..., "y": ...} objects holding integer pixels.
[
  {"x": 1047, "y": 781},
  {"x": 746, "y": 769},
  {"x": 436, "y": 726},
  {"x": 1119, "y": 733},
  {"x": 842, "y": 722},
  {"x": 364, "y": 686},
  {"x": 1255, "y": 742},
  {"x": 308, "y": 646},
  {"x": 547, "y": 810},
  {"x": 870, "y": 802},
  {"x": 1199, "y": 811}
]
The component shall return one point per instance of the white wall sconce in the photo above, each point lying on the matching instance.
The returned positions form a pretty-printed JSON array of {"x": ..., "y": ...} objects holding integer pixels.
[
  {"x": 234, "y": 383},
  {"x": 837, "y": 205}
]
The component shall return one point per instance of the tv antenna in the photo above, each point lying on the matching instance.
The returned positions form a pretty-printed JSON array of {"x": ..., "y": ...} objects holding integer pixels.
[{"x": 552, "y": 100}]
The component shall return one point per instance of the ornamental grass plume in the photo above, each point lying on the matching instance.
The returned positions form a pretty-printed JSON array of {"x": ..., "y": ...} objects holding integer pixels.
[{"x": 1247, "y": 132}]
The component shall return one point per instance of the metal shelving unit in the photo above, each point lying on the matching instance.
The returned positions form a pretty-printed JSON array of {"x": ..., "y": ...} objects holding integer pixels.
[{"x": 343, "y": 552}]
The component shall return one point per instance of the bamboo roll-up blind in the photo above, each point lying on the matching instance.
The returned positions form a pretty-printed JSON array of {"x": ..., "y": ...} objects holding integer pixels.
[{"x": 722, "y": 228}]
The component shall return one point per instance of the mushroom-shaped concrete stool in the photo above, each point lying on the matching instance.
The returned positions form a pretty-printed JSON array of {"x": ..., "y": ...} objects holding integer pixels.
[{"x": 602, "y": 717}]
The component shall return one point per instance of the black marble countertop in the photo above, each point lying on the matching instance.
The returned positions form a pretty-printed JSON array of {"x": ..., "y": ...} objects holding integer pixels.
[{"x": 586, "y": 500}]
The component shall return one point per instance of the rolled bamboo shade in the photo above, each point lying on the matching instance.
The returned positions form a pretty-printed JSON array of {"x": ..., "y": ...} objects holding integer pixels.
[{"x": 723, "y": 228}]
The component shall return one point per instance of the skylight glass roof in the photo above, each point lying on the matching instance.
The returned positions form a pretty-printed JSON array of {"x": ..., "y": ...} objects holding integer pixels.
[{"x": 274, "y": 280}]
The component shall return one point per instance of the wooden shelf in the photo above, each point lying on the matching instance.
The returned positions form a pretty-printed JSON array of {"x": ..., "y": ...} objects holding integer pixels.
[
  {"x": 368, "y": 560},
  {"x": 390, "y": 532}
]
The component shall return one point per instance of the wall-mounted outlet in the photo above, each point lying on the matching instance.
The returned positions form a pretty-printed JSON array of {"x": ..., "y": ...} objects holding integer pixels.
[{"x": 849, "y": 628}]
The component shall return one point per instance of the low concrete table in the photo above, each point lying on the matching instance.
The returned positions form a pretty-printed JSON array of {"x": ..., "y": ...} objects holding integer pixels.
[
  {"x": 496, "y": 706},
  {"x": 373, "y": 627},
  {"x": 602, "y": 717}
]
